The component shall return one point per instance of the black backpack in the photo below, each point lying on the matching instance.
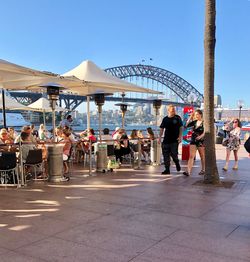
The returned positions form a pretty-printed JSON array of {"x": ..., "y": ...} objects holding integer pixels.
[{"x": 247, "y": 145}]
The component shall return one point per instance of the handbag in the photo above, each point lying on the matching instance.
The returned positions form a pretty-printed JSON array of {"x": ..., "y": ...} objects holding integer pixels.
[
  {"x": 113, "y": 164},
  {"x": 247, "y": 145},
  {"x": 225, "y": 141}
]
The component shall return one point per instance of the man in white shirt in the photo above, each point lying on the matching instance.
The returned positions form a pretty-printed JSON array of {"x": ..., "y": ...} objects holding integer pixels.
[{"x": 67, "y": 122}]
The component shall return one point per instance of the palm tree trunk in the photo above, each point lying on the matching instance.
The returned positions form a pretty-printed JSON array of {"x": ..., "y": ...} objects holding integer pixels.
[{"x": 211, "y": 171}]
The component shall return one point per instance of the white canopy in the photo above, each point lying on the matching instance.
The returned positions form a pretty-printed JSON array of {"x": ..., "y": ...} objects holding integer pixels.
[
  {"x": 13, "y": 76},
  {"x": 43, "y": 104},
  {"x": 12, "y": 104},
  {"x": 87, "y": 78},
  {"x": 96, "y": 80}
]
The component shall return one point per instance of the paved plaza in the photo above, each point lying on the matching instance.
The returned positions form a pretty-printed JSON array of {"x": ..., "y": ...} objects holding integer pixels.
[{"x": 129, "y": 215}]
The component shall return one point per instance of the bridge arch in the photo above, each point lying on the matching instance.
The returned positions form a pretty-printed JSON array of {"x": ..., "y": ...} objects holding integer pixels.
[{"x": 178, "y": 85}]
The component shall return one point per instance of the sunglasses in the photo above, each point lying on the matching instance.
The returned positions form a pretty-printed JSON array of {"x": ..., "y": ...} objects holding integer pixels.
[{"x": 235, "y": 121}]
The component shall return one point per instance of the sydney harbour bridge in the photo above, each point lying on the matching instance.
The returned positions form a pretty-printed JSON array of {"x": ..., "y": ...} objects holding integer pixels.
[{"x": 174, "y": 89}]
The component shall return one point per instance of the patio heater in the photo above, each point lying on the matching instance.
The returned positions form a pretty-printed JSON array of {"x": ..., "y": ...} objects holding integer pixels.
[
  {"x": 123, "y": 108},
  {"x": 99, "y": 99},
  {"x": 155, "y": 146},
  {"x": 55, "y": 151},
  {"x": 157, "y": 105},
  {"x": 53, "y": 90},
  {"x": 100, "y": 147}
]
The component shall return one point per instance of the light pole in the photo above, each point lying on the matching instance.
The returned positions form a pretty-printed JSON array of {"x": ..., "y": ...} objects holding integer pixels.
[
  {"x": 220, "y": 110},
  {"x": 240, "y": 105},
  {"x": 3, "y": 111}
]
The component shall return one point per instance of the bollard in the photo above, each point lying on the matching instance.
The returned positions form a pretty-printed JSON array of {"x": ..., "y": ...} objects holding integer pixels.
[
  {"x": 155, "y": 153},
  {"x": 55, "y": 162},
  {"x": 101, "y": 157}
]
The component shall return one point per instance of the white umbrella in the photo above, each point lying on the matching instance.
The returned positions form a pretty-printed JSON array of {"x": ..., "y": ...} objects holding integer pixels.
[
  {"x": 43, "y": 105},
  {"x": 96, "y": 80},
  {"x": 16, "y": 77}
]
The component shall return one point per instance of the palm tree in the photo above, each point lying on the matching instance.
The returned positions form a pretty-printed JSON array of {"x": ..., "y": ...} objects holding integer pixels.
[{"x": 211, "y": 171}]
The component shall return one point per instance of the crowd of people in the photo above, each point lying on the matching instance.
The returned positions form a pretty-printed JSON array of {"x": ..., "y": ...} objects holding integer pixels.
[
  {"x": 172, "y": 127},
  {"x": 120, "y": 144}
]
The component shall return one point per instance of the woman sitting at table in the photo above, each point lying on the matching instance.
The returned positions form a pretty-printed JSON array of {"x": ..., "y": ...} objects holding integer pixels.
[
  {"x": 147, "y": 142},
  {"x": 12, "y": 134},
  {"x": 42, "y": 132},
  {"x": 88, "y": 136},
  {"x": 121, "y": 145},
  {"x": 4, "y": 137}
]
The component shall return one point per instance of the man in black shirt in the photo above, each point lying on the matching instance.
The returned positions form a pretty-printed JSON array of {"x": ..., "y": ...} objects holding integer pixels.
[{"x": 172, "y": 124}]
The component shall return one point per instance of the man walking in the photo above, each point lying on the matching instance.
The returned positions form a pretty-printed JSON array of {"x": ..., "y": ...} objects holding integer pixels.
[{"x": 172, "y": 124}]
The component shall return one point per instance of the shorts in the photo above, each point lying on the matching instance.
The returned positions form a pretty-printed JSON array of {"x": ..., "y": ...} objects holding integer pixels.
[{"x": 197, "y": 143}]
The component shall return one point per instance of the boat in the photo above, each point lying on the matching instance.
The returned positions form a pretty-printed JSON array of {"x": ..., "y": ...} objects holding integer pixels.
[{"x": 13, "y": 119}]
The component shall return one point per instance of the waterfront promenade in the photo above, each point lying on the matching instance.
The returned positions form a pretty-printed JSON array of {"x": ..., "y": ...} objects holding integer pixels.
[{"x": 129, "y": 215}]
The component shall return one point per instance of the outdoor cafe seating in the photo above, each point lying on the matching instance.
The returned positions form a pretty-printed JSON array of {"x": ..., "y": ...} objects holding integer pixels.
[{"x": 8, "y": 168}]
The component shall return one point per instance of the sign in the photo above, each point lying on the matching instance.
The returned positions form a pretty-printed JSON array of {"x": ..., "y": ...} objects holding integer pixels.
[{"x": 187, "y": 132}]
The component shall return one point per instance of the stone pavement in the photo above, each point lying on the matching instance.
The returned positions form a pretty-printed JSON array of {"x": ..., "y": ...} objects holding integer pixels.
[{"x": 130, "y": 215}]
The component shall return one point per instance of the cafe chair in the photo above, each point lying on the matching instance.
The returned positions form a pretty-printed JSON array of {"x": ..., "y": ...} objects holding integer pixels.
[
  {"x": 8, "y": 169},
  {"x": 34, "y": 161}
]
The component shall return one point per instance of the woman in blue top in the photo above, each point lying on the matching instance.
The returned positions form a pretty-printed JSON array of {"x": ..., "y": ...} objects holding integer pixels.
[{"x": 197, "y": 141}]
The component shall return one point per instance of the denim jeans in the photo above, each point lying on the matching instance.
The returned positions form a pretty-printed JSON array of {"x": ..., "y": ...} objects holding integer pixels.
[{"x": 170, "y": 150}]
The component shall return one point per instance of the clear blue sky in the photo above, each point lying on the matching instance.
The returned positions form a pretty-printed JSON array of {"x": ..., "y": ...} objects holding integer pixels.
[{"x": 56, "y": 35}]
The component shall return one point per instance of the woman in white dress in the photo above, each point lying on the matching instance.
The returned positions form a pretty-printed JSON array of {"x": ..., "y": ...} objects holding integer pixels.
[{"x": 233, "y": 143}]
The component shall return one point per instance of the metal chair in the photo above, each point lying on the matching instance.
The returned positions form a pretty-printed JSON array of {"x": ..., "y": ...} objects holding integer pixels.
[
  {"x": 35, "y": 161},
  {"x": 8, "y": 168}
]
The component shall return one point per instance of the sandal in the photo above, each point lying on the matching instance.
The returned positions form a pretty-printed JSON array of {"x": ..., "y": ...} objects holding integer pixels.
[
  {"x": 202, "y": 172},
  {"x": 186, "y": 173}
]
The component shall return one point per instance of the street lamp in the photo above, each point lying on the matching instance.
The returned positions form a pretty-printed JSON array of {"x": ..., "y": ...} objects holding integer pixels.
[
  {"x": 240, "y": 105},
  {"x": 220, "y": 110}
]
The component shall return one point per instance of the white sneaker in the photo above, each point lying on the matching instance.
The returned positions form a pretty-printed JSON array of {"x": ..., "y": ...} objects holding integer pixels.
[{"x": 64, "y": 179}]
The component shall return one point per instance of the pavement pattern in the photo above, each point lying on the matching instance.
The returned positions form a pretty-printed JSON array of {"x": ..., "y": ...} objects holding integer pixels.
[{"x": 129, "y": 215}]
